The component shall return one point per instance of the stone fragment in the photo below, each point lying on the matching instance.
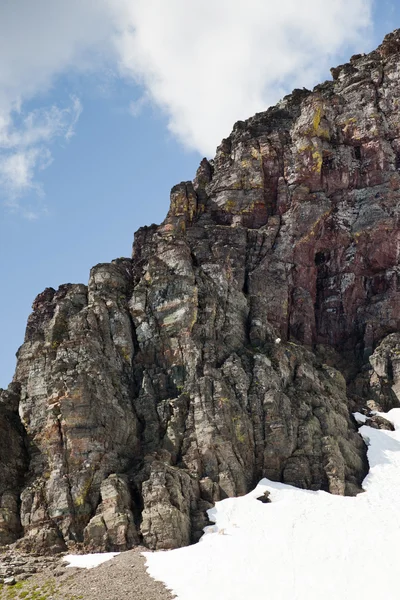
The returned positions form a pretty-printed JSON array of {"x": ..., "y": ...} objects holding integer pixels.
[
  {"x": 265, "y": 498},
  {"x": 378, "y": 422}
]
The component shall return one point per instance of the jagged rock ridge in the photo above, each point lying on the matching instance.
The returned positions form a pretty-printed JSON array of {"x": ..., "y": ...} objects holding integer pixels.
[{"x": 162, "y": 387}]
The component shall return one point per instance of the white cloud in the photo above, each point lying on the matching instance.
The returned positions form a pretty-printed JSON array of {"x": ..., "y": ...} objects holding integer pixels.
[
  {"x": 39, "y": 41},
  {"x": 205, "y": 63},
  {"x": 16, "y": 169},
  {"x": 24, "y": 147},
  {"x": 211, "y": 63},
  {"x": 40, "y": 125}
]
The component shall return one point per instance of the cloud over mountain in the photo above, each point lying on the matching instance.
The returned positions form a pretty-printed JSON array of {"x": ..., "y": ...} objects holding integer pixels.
[{"x": 204, "y": 64}]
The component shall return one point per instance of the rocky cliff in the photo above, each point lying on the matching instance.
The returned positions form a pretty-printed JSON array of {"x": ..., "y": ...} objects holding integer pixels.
[{"x": 234, "y": 344}]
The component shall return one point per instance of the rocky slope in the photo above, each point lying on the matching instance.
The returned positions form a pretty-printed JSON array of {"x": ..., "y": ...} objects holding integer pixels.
[{"x": 233, "y": 345}]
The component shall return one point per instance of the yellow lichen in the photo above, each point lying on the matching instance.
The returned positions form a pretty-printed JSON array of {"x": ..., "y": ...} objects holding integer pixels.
[
  {"x": 317, "y": 156},
  {"x": 81, "y": 498},
  {"x": 316, "y": 129},
  {"x": 306, "y": 148},
  {"x": 230, "y": 205},
  {"x": 125, "y": 353},
  {"x": 308, "y": 237},
  {"x": 317, "y": 118},
  {"x": 238, "y": 430}
]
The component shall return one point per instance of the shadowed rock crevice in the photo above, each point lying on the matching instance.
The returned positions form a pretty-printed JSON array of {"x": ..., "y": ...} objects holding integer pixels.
[
  {"x": 13, "y": 464},
  {"x": 236, "y": 342}
]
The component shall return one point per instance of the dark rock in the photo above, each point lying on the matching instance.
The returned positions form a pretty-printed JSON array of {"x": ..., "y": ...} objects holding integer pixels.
[
  {"x": 377, "y": 422},
  {"x": 13, "y": 464},
  {"x": 265, "y": 498}
]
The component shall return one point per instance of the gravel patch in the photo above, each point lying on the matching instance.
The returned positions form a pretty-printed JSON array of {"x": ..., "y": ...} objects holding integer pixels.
[{"x": 123, "y": 578}]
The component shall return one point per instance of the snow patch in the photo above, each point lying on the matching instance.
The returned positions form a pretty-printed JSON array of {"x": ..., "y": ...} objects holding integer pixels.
[
  {"x": 88, "y": 561},
  {"x": 303, "y": 545},
  {"x": 359, "y": 417}
]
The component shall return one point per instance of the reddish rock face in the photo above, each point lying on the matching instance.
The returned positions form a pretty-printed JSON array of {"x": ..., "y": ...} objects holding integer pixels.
[
  {"x": 319, "y": 175},
  {"x": 236, "y": 341}
]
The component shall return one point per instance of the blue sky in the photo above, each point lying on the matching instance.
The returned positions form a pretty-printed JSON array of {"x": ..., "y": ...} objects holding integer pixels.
[{"x": 98, "y": 123}]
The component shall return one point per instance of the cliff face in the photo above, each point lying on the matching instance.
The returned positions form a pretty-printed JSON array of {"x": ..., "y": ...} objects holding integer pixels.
[{"x": 237, "y": 340}]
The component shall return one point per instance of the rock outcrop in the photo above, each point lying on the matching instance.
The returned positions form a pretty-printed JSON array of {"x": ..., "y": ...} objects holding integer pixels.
[
  {"x": 13, "y": 465},
  {"x": 237, "y": 340}
]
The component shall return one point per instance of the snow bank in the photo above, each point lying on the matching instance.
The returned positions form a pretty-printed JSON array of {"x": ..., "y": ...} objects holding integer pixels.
[
  {"x": 88, "y": 561},
  {"x": 303, "y": 545}
]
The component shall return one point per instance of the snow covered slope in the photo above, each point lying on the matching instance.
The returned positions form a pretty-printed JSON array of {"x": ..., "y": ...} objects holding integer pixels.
[{"x": 303, "y": 545}]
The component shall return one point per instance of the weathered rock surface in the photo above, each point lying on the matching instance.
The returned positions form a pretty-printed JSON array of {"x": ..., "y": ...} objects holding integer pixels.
[
  {"x": 76, "y": 403},
  {"x": 16, "y": 566},
  {"x": 13, "y": 465},
  {"x": 237, "y": 340},
  {"x": 113, "y": 527}
]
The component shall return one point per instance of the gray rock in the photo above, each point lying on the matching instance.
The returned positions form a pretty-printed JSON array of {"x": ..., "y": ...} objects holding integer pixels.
[{"x": 113, "y": 527}]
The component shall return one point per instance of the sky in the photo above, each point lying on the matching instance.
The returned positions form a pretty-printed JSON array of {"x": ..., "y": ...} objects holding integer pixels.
[{"x": 105, "y": 105}]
